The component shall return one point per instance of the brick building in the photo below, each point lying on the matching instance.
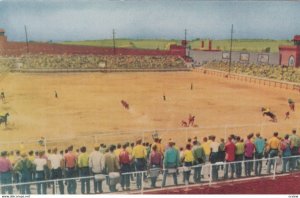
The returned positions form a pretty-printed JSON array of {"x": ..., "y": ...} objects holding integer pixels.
[{"x": 290, "y": 55}]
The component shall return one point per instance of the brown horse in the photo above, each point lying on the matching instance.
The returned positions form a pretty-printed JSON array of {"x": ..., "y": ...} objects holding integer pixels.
[{"x": 125, "y": 104}]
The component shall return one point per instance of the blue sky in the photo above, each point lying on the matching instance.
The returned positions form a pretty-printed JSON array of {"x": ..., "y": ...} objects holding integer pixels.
[{"x": 60, "y": 20}]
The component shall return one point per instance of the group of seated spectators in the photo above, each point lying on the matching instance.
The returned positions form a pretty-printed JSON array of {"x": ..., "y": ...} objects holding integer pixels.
[
  {"x": 93, "y": 61},
  {"x": 124, "y": 161},
  {"x": 276, "y": 72}
]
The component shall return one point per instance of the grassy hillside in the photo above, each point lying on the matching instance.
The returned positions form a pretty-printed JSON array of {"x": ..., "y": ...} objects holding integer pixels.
[
  {"x": 254, "y": 45},
  {"x": 127, "y": 43}
]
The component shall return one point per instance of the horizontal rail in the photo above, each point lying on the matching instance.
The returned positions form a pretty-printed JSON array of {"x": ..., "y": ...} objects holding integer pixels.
[
  {"x": 254, "y": 79},
  {"x": 98, "y": 70}
]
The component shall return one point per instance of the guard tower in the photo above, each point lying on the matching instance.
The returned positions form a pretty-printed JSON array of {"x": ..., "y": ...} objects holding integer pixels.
[{"x": 290, "y": 55}]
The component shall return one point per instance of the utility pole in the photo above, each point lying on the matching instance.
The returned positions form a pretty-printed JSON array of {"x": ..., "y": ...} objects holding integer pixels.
[
  {"x": 230, "y": 48},
  {"x": 26, "y": 39},
  {"x": 185, "y": 41},
  {"x": 114, "y": 42}
]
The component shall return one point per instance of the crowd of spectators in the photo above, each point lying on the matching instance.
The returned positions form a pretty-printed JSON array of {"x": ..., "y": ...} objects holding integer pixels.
[
  {"x": 113, "y": 162},
  {"x": 276, "y": 72},
  {"x": 93, "y": 61}
]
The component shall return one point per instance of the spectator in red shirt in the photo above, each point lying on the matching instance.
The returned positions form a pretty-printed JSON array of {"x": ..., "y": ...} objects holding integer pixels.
[
  {"x": 155, "y": 161},
  {"x": 249, "y": 152},
  {"x": 125, "y": 161},
  {"x": 229, "y": 157},
  {"x": 70, "y": 160}
]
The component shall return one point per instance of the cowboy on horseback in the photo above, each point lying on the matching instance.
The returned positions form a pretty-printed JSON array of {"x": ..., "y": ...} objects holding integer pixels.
[
  {"x": 291, "y": 104},
  {"x": 2, "y": 96},
  {"x": 267, "y": 112},
  {"x": 3, "y": 119}
]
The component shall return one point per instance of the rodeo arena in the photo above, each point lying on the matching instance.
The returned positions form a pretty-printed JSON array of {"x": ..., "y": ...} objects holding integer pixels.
[{"x": 92, "y": 120}]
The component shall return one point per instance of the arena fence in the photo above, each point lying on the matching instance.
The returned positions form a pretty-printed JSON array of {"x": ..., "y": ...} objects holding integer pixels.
[
  {"x": 179, "y": 135},
  {"x": 105, "y": 70},
  {"x": 251, "y": 79},
  {"x": 212, "y": 174}
]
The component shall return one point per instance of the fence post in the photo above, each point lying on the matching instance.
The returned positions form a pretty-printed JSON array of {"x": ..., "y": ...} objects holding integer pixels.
[
  {"x": 142, "y": 185},
  {"x": 54, "y": 187},
  {"x": 210, "y": 174},
  {"x": 275, "y": 167}
]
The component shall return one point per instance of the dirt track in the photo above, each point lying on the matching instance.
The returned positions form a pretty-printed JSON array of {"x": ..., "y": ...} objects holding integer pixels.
[{"x": 90, "y": 102}]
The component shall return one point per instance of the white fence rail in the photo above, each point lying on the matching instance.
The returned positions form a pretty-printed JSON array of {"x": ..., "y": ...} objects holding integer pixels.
[
  {"x": 251, "y": 79},
  {"x": 208, "y": 173}
]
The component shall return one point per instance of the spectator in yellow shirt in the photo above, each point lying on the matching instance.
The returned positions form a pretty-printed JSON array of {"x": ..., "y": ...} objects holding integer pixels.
[
  {"x": 188, "y": 159},
  {"x": 83, "y": 164},
  {"x": 206, "y": 147},
  {"x": 274, "y": 145},
  {"x": 118, "y": 150},
  {"x": 139, "y": 153}
]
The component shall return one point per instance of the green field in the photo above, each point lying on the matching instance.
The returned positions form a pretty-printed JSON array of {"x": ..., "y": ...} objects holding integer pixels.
[{"x": 254, "y": 45}]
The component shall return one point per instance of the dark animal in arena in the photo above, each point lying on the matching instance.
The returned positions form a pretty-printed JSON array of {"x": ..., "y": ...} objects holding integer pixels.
[
  {"x": 291, "y": 104},
  {"x": 287, "y": 115},
  {"x": 191, "y": 120},
  {"x": 125, "y": 104},
  {"x": 2, "y": 96},
  {"x": 3, "y": 119},
  {"x": 267, "y": 112},
  {"x": 184, "y": 123}
]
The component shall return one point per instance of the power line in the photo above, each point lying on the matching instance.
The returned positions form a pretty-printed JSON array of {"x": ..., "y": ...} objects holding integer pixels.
[
  {"x": 185, "y": 41},
  {"x": 231, "y": 36},
  {"x": 114, "y": 42}
]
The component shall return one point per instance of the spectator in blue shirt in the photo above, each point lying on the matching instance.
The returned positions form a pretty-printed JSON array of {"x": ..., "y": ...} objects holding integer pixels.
[
  {"x": 171, "y": 162},
  {"x": 259, "y": 153}
]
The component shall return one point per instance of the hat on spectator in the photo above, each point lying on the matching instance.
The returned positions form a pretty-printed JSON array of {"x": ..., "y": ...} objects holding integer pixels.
[
  {"x": 96, "y": 145},
  {"x": 171, "y": 140},
  {"x": 23, "y": 154}
]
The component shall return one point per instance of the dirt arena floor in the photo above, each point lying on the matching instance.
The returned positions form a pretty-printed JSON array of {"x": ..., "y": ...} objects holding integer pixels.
[{"x": 88, "y": 105}]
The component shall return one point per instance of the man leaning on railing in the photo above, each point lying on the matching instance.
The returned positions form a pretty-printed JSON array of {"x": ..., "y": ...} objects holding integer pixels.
[
  {"x": 260, "y": 144},
  {"x": 285, "y": 147},
  {"x": 5, "y": 173},
  {"x": 295, "y": 144},
  {"x": 97, "y": 166},
  {"x": 139, "y": 154},
  {"x": 274, "y": 146},
  {"x": 71, "y": 160},
  {"x": 24, "y": 168},
  {"x": 171, "y": 162},
  {"x": 56, "y": 166},
  {"x": 230, "y": 157},
  {"x": 83, "y": 164},
  {"x": 199, "y": 157}
]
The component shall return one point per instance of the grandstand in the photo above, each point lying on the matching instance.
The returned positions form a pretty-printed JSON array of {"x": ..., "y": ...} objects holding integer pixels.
[
  {"x": 50, "y": 111},
  {"x": 93, "y": 62}
]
